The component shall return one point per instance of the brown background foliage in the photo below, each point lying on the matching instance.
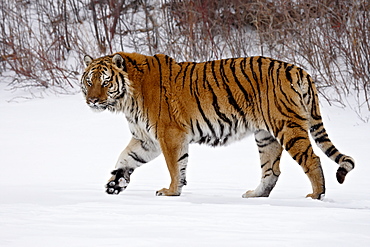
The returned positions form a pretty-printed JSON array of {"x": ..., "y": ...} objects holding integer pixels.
[{"x": 42, "y": 41}]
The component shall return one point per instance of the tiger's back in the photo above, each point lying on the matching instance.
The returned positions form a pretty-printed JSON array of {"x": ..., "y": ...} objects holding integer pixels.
[
  {"x": 225, "y": 99},
  {"x": 216, "y": 102}
]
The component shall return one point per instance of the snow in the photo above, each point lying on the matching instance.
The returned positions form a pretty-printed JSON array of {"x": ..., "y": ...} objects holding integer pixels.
[{"x": 56, "y": 156}]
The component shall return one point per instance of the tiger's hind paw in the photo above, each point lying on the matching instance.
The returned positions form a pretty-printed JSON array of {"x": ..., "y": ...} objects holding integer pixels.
[
  {"x": 319, "y": 196},
  {"x": 167, "y": 192},
  {"x": 249, "y": 194},
  {"x": 256, "y": 193}
]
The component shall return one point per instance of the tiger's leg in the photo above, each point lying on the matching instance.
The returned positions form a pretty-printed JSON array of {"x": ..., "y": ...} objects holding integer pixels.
[
  {"x": 174, "y": 146},
  {"x": 297, "y": 143},
  {"x": 136, "y": 153},
  {"x": 270, "y": 152}
]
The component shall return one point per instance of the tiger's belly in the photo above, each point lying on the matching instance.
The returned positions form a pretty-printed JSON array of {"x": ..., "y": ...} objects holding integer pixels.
[{"x": 218, "y": 133}]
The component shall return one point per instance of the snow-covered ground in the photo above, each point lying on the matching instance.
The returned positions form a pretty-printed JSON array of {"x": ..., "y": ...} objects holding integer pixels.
[{"x": 56, "y": 155}]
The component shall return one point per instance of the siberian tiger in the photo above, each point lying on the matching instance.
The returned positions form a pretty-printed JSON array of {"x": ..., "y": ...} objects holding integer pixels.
[{"x": 169, "y": 105}]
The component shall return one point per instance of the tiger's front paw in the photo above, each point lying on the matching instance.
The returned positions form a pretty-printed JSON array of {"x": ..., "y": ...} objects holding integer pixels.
[
  {"x": 167, "y": 192},
  {"x": 119, "y": 181}
]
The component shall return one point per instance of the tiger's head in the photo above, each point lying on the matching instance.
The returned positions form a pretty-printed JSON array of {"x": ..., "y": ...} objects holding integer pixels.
[{"x": 104, "y": 82}]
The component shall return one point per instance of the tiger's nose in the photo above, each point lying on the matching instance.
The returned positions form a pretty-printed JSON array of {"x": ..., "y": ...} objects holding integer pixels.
[{"x": 93, "y": 100}]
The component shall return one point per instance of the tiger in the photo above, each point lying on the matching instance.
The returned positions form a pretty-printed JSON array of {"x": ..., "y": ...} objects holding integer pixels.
[{"x": 169, "y": 105}]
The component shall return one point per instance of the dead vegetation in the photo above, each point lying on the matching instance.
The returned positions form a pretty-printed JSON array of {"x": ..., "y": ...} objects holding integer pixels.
[{"x": 42, "y": 41}]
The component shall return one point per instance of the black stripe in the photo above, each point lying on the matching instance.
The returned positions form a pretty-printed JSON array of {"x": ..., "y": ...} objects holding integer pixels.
[
  {"x": 289, "y": 78},
  {"x": 254, "y": 94},
  {"x": 331, "y": 151},
  {"x": 135, "y": 157},
  {"x": 144, "y": 146},
  {"x": 315, "y": 112},
  {"x": 133, "y": 62},
  {"x": 260, "y": 145},
  {"x": 323, "y": 131},
  {"x": 309, "y": 89},
  {"x": 349, "y": 161},
  {"x": 264, "y": 164},
  {"x": 293, "y": 125},
  {"x": 169, "y": 64},
  {"x": 160, "y": 90},
  {"x": 230, "y": 97},
  {"x": 167, "y": 58},
  {"x": 302, "y": 155},
  {"x": 293, "y": 112},
  {"x": 122, "y": 77},
  {"x": 205, "y": 75},
  {"x": 277, "y": 160},
  {"x": 147, "y": 64},
  {"x": 338, "y": 158},
  {"x": 217, "y": 107},
  {"x": 233, "y": 70},
  {"x": 214, "y": 73},
  {"x": 243, "y": 68},
  {"x": 268, "y": 138},
  {"x": 222, "y": 127},
  {"x": 209, "y": 124},
  {"x": 183, "y": 157},
  {"x": 178, "y": 74},
  {"x": 322, "y": 139},
  {"x": 254, "y": 73},
  {"x": 292, "y": 142},
  {"x": 165, "y": 88},
  {"x": 270, "y": 80},
  {"x": 316, "y": 127},
  {"x": 266, "y": 175},
  {"x": 285, "y": 94},
  {"x": 278, "y": 127},
  {"x": 184, "y": 76},
  {"x": 199, "y": 128},
  {"x": 260, "y": 63},
  {"x": 287, "y": 73},
  {"x": 257, "y": 83},
  {"x": 121, "y": 86},
  {"x": 300, "y": 71},
  {"x": 191, "y": 78}
]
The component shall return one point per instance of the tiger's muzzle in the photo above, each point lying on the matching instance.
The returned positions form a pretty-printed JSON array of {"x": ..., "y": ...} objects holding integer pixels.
[{"x": 96, "y": 104}]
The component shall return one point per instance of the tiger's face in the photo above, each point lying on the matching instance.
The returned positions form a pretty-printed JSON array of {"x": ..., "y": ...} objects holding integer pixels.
[{"x": 103, "y": 82}]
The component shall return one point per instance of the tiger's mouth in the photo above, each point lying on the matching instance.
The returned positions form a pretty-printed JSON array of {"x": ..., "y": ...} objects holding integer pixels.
[
  {"x": 97, "y": 106},
  {"x": 100, "y": 106}
]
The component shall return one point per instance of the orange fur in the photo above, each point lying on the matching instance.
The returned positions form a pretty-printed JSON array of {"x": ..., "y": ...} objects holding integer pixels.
[{"x": 169, "y": 105}]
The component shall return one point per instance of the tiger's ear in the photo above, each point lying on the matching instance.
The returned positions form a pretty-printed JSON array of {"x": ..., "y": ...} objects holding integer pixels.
[
  {"x": 88, "y": 60},
  {"x": 119, "y": 61}
]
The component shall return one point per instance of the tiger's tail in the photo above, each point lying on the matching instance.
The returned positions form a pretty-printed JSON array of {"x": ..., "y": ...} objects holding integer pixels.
[{"x": 318, "y": 132}]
